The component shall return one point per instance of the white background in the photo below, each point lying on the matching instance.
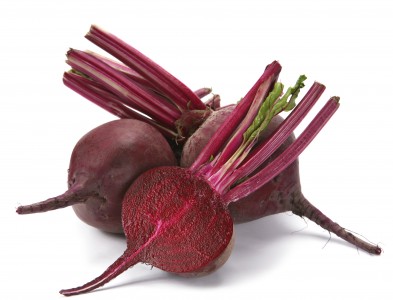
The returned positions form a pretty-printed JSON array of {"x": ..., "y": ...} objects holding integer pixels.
[{"x": 346, "y": 172}]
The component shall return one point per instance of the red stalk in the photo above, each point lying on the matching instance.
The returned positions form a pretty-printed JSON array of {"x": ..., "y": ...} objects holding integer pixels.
[
  {"x": 159, "y": 77},
  {"x": 135, "y": 76},
  {"x": 202, "y": 92},
  {"x": 127, "y": 90},
  {"x": 224, "y": 170},
  {"x": 285, "y": 158},
  {"x": 267, "y": 79},
  {"x": 263, "y": 151},
  {"x": 236, "y": 140},
  {"x": 108, "y": 101},
  {"x": 214, "y": 102}
]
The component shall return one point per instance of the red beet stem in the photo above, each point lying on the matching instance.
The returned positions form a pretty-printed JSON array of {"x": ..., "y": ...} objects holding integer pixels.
[
  {"x": 135, "y": 76},
  {"x": 124, "y": 262},
  {"x": 74, "y": 195},
  {"x": 303, "y": 208},
  {"x": 287, "y": 157},
  {"x": 114, "y": 69},
  {"x": 263, "y": 151},
  {"x": 214, "y": 102},
  {"x": 236, "y": 140},
  {"x": 268, "y": 78},
  {"x": 202, "y": 92},
  {"x": 163, "y": 80},
  {"x": 95, "y": 93},
  {"x": 156, "y": 107}
]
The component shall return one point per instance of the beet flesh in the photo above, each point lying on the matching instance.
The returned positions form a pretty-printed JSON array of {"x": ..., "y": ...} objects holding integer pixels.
[
  {"x": 103, "y": 164},
  {"x": 174, "y": 221}
]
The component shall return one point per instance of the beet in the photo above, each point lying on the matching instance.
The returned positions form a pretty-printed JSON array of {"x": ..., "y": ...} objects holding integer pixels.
[
  {"x": 173, "y": 221},
  {"x": 263, "y": 179},
  {"x": 282, "y": 192},
  {"x": 103, "y": 164}
]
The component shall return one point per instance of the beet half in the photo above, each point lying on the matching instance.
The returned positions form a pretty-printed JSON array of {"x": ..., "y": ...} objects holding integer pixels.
[
  {"x": 103, "y": 164},
  {"x": 173, "y": 221}
]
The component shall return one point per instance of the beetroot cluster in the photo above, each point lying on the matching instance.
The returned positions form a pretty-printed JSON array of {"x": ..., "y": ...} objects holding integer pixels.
[{"x": 174, "y": 173}]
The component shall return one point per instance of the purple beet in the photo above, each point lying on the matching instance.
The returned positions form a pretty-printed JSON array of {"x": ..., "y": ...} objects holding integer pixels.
[
  {"x": 103, "y": 164},
  {"x": 283, "y": 192}
]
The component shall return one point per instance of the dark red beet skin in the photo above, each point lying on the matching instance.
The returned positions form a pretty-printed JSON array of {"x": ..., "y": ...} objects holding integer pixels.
[
  {"x": 173, "y": 221},
  {"x": 103, "y": 164}
]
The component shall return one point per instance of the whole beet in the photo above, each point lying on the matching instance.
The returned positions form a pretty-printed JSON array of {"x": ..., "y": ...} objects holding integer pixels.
[
  {"x": 103, "y": 164},
  {"x": 281, "y": 194}
]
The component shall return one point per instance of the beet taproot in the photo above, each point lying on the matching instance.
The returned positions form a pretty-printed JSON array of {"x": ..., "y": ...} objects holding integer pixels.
[{"x": 103, "y": 164}]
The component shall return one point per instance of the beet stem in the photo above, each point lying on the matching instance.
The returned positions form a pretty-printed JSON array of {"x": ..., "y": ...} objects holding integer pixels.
[
  {"x": 132, "y": 74},
  {"x": 97, "y": 94},
  {"x": 72, "y": 196},
  {"x": 268, "y": 78},
  {"x": 246, "y": 136},
  {"x": 287, "y": 157},
  {"x": 163, "y": 80},
  {"x": 237, "y": 140},
  {"x": 122, "y": 86},
  {"x": 202, "y": 92},
  {"x": 263, "y": 151},
  {"x": 303, "y": 208},
  {"x": 214, "y": 102}
]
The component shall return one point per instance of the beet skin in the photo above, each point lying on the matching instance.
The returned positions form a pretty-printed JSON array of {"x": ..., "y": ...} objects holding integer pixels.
[{"x": 103, "y": 165}]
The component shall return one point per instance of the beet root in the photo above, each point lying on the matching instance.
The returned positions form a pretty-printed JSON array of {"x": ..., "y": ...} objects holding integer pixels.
[
  {"x": 281, "y": 194},
  {"x": 103, "y": 164},
  {"x": 173, "y": 221}
]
